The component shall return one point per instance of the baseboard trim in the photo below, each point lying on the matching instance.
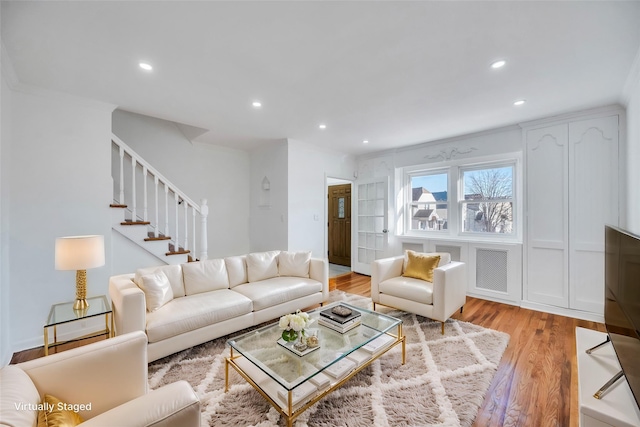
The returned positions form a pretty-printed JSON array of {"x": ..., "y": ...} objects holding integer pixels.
[{"x": 567, "y": 312}]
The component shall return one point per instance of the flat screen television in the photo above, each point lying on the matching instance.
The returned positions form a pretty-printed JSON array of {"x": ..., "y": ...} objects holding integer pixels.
[{"x": 622, "y": 301}]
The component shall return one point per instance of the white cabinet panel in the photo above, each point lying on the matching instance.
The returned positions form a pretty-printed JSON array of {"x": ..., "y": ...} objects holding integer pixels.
[
  {"x": 546, "y": 273},
  {"x": 547, "y": 207},
  {"x": 593, "y": 178},
  {"x": 572, "y": 192}
]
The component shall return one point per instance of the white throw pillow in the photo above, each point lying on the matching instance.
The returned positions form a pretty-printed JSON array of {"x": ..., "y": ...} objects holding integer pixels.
[
  {"x": 205, "y": 276},
  {"x": 237, "y": 270},
  {"x": 157, "y": 290},
  {"x": 294, "y": 263},
  {"x": 173, "y": 272},
  {"x": 262, "y": 265}
]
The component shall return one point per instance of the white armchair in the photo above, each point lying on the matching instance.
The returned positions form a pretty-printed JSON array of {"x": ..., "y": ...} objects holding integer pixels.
[
  {"x": 109, "y": 376},
  {"x": 437, "y": 300}
]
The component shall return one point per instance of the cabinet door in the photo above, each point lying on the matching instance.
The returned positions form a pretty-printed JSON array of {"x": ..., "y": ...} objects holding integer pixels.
[
  {"x": 547, "y": 207},
  {"x": 593, "y": 190}
]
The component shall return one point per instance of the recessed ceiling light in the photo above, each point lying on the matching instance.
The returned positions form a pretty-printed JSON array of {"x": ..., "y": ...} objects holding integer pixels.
[
  {"x": 498, "y": 64},
  {"x": 322, "y": 126},
  {"x": 145, "y": 66},
  {"x": 366, "y": 141},
  {"x": 256, "y": 104},
  {"x": 519, "y": 102}
]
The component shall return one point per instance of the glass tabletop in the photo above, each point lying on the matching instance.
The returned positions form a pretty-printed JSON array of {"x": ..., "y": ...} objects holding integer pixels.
[
  {"x": 290, "y": 370},
  {"x": 64, "y": 312}
]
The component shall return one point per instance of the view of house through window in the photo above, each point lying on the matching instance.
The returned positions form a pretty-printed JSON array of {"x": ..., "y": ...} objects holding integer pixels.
[
  {"x": 487, "y": 206},
  {"x": 429, "y": 202}
]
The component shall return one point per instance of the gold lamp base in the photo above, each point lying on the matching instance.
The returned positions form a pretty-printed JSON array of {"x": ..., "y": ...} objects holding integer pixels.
[{"x": 81, "y": 291}]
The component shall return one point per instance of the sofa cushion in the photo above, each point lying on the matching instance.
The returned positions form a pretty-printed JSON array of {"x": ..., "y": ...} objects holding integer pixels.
[
  {"x": 294, "y": 264},
  {"x": 195, "y": 311},
  {"x": 262, "y": 265},
  {"x": 237, "y": 270},
  {"x": 408, "y": 288},
  {"x": 157, "y": 290},
  {"x": 271, "y": 292},
  {"x": 173, "y": 272},
  {"x": 17, "y": 389},
  {"x": 421, "y": 266},
  {"x": 205, "y": 276}
]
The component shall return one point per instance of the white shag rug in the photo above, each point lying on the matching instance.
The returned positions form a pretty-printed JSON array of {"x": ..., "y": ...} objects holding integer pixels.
[{"x": 443, "y": 382}]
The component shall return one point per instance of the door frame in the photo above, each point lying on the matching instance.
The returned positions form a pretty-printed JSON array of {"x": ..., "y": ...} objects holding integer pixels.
[{"x": 330, "y": 180}]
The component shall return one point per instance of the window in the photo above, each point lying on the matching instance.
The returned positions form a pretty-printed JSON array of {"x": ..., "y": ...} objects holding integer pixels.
[
  {"x": 487, "y": 203},
  {"x": 429, "y": 203}
]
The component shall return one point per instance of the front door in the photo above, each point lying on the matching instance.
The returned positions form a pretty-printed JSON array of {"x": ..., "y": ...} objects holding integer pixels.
[{"x": 340, "y": 224}]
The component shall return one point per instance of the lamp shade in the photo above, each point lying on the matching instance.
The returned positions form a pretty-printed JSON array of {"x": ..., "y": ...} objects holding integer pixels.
[{"x": 79, "y": 252}]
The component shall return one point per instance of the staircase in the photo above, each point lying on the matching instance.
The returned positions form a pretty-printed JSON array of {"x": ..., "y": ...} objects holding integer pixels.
[{"x": 164, "y": 221}]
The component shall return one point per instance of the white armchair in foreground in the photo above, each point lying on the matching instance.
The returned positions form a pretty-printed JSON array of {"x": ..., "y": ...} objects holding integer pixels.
[
  {"x": 437, "y": 299},
  {"x": 107, "y": 381}
]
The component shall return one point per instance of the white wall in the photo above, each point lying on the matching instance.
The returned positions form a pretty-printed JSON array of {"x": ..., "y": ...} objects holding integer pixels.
[
  {"x": 309, "y": 166},
  {"x": 218, "y": 174},
  {"x": 56, "y": 183},
  {"x": 269, "y": 208},
  {"x": 5, "y": 295},
  {"x": 438, "y": 153},
  {"x": 632, "y": 222}
]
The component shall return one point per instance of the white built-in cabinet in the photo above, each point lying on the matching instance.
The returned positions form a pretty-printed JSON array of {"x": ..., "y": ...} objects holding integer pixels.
[{"x": 571, "y": 193}]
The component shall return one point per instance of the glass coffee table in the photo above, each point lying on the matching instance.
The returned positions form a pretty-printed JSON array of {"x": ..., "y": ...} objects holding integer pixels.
[{"x": 292, "y": 383}]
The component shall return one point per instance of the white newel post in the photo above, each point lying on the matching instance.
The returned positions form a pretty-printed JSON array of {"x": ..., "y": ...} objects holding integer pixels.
[
  {"x": 204, "y": 213},
  {"x": 157, "y": 223},
  {"x": 134, "y": 216},
  {"x": 177, "y": 236},
  {"x": 186, "y": 226},
  {"x": 121, "y": 199},
  {"x": 166, "y": 209},
  {"x": 145, "y": 212},
  {"x": 193, "y": 242}
]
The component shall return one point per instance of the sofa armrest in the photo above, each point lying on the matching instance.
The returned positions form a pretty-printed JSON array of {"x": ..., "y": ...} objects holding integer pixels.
[
  {"x": 449, "y": 289},
  {"x": 128, "y": 303},
  {"x": 104, "y": 374},
  {"x": 175, "y": 404},
  {"x": 319, "y": 270},
  {"x": 384, "y": 269}
]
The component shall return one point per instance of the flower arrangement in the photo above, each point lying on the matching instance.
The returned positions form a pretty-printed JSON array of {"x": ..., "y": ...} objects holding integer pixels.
[{"x": 292, "y": 324}]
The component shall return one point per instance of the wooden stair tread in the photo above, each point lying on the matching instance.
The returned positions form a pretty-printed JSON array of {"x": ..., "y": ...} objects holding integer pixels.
[
  {"x": 113, "y": 205},
  {"x": 180, "y": 252},
  {"x": 135, "y": 223},
  {"x": 153, "y": 239}
]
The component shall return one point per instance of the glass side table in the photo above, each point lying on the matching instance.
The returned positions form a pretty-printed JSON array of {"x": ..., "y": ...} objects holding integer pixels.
[{"x": 64, "y": 313}]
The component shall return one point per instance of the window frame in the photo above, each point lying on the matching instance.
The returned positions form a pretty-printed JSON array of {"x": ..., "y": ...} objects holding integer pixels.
[
  {"x": 461, "y": 202},
  {"x": 408, "y": 202},
  {"x": 455, "y": 198}
]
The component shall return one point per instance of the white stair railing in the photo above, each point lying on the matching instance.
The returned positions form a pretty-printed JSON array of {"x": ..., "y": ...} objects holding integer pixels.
[{"x": 166, "y": 222}]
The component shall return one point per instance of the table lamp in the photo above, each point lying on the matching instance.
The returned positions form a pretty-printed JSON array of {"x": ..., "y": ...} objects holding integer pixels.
[{"x": 80, "y": 253}]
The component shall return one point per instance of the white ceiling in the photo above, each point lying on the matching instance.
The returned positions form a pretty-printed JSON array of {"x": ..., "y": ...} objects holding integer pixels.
[{"x": 394, "y": 73}]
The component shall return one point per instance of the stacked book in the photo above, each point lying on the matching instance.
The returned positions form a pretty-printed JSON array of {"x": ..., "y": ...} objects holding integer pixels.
[{"x": 340, "y": 318}]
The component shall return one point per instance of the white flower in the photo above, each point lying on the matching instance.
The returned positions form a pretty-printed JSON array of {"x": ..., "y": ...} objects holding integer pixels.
[
  {"x": 284, "y": 322},
  {"x": 297, "y": 323}
]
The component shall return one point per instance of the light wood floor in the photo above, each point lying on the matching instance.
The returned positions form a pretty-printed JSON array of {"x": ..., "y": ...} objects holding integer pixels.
[{"x": 536, "y": 382}]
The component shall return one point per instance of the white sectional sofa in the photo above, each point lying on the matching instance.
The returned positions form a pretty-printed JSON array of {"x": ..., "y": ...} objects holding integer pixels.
[{"x": 179, "y": 306}]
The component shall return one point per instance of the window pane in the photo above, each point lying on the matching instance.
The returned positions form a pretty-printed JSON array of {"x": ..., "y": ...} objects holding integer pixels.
[
  {"x": 486, "y": 217},
  {"x": 429, "y": 202},
  {"x": 488, "y": 184}
]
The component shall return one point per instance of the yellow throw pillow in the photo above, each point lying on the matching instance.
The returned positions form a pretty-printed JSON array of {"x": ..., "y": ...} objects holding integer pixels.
[
  {"x": 54, "y": 414},
  {"x": 420, "y": 266}
]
